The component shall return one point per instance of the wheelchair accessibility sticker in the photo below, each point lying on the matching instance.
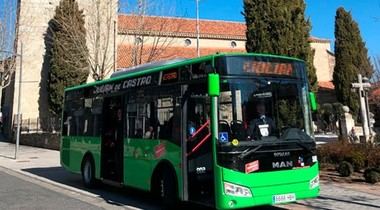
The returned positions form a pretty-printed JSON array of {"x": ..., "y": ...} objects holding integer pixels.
[{"x": 223, "y": 136}]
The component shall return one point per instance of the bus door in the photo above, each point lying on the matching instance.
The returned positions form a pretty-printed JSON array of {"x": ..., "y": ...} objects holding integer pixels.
[
  {"x": 200, "y": 177},
  {"x": 112, "y": 139}
]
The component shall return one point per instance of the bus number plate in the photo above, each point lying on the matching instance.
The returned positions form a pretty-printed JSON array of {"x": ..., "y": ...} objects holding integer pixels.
[{"x": 284, "y": 198}]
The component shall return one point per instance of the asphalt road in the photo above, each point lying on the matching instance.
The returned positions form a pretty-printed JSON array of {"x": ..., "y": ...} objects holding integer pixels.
[
  {"x": 103, "y": 196},
  {"x": 16, "y": 193}
]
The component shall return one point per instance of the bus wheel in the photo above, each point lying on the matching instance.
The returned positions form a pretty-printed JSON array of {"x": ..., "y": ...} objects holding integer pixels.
[
  {"x": 168, "y": 189},
  {"x": 88, "y": 173}
]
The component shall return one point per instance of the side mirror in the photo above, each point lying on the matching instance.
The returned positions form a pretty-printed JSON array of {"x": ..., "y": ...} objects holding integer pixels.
[
  {"x": 213, "y": 85},
  {"x": 313, "y": 101}
]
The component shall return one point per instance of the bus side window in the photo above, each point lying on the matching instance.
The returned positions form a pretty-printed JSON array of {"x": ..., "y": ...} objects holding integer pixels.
[
  {"x": 165, "y": 117},
  {"x": 66, "y": 119},
  {"x": 74, "y": 117},
  {"x": 88, "y": 117},
  {"x": 176, "y": 127},
  {"x": 136, "y": 117},
  {"x": 96, "y": 112}
]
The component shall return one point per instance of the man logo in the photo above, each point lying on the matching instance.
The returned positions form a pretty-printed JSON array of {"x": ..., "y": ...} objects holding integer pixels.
[
  {"x": 281, "y": 154},
  {"x": 282, "y": 164}
]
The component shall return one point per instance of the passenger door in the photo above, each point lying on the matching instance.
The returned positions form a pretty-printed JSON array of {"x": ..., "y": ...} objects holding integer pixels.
[
  {"x": 200, "y": 174},
  {"x": 112, "y": 139},
  {"x": 137, "y": 163}
]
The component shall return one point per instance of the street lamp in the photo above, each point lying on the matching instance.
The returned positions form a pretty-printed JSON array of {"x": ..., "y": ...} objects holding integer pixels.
[
  {"x": 198, "y": 30},
  {"x": 19, "y": 99}
]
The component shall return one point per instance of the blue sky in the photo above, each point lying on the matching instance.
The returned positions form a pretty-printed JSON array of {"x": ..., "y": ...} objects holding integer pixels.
[
  {"x": 321, "y": 12},
  {"x": 7, "y": 18}
]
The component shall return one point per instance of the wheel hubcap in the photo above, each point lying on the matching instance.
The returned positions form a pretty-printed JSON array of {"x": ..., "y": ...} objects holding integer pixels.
[
  {"x": 162, "y": 191},
  {"x": 87, "y": 172}
]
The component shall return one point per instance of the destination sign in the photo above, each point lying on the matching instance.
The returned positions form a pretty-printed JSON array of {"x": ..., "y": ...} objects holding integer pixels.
[
  {"x": 268, "y": 68},
  {"x": 262, "y": 66},
  {"x": 169, "y": 77}
]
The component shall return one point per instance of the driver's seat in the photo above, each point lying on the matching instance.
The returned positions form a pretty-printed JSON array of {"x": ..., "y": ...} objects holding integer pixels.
[{"x": 238, "y": 130}]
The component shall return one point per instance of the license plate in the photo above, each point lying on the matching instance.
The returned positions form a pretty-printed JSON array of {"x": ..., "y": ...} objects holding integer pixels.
[{"x": 284, "y": 198}]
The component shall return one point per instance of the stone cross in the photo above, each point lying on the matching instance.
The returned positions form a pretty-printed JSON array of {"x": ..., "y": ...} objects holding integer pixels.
[{"x": 363, "y": 106}]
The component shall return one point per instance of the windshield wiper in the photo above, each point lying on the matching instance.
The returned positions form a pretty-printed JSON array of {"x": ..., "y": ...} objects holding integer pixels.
[
  {"x": 248, "y": 152},
  {"x": 300, "y": 143}
]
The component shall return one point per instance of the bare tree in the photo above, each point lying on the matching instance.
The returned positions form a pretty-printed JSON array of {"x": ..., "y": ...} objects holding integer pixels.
[
  {"x": 149, "y": 37},
  {"x": 375, "y": 80},
  {"x": 101, "y": 33},
  {"x": 7, "y": 42},
  {"x": 376, "y": 73},
  {"x": 11, "y": 36},
  {"x": 100, "y": 16}
]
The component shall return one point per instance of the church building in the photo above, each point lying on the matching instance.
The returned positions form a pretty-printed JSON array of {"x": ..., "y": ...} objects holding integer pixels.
[{"x": 136, "y": 40}]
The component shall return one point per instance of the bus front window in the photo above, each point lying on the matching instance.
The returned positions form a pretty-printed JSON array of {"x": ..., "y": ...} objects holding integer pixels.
[{"x": 262, "y": 110}]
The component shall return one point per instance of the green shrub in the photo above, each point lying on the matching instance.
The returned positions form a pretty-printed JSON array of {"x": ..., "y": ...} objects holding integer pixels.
[
  {"x": 376, "y": 139},
  {"x": 373, "y": 156},
  {"x": 372, "y": 175},
  {"x": 334, "y": 152},
  {"x": 359, "y": 155},
  {"x": 345, "y": 169},
  {"x": 357, "y": 158}
]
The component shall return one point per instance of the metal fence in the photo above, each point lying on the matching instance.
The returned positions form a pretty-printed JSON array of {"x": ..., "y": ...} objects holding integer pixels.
[{"x": 38, "y": 125}]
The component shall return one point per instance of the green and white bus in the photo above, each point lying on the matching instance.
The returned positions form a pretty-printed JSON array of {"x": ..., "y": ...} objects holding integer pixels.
[{"x": 225, "y": 130}]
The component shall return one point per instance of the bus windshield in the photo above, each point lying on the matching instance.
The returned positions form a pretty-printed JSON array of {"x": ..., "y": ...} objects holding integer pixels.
[{"x": 259, "y": 110}]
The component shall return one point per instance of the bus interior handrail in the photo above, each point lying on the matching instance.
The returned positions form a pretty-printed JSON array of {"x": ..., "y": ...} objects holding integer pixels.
[
  {"x": 199, "y": 130},
  {"x": 200, "y": 144}
]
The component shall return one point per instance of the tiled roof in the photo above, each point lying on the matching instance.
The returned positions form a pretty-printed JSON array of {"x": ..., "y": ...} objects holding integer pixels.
[
  {"x": 180, "y": 27},
  {"x": 375, "y": 92},
  {"x": 186, "y": 27},
  {"x": 124, "y": 58},
  {"x": 326, "y": 85},
  {"x": 318, "y": 40}
]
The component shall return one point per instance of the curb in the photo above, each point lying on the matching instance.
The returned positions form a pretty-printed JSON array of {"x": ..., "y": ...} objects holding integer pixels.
[
  {"x": 72, "y": 192},
  {"x": 22, "y": 175}
]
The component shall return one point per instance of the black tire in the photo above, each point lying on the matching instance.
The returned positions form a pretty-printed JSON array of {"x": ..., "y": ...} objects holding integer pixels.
[
  {"x": 88, "y": 173},
  {"x": 167, "y": 189}
]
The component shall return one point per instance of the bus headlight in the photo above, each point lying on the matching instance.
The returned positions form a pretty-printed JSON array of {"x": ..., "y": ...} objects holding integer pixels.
[
  {"x": 314, "y": 182},
  {"x": 236, "y": 190}
]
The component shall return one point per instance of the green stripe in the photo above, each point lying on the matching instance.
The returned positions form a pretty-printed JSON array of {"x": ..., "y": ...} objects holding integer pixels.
[{"x": 178, "y": 64}]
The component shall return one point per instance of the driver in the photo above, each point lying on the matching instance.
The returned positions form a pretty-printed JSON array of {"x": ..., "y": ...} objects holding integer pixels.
[{"x": 261, "y": 126}]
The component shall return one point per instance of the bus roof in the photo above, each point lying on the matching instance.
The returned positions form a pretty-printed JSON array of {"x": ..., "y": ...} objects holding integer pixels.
[{"x": 140, "y": 70}]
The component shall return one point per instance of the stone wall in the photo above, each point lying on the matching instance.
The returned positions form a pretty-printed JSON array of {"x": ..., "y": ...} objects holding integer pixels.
[
  {"x": 34, "y": 35},
  {"x": 323, "y": 60},
  {"x": 42, "y": 140}
]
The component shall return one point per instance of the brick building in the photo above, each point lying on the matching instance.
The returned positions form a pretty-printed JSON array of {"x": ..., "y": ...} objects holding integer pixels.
[{"x": 137, "y": 40}]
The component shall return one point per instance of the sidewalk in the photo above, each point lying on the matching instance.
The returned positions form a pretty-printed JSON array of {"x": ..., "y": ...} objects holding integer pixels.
[
  {"x": 28, "y": 157},
  {"x": 38, "y": 163},
  {"x": 43, "y": 167}
]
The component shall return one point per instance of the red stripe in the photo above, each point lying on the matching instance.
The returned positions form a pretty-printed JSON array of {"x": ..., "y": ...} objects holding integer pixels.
[
  {"x": 200, "y": 144},
  {"x": 199, "y": 130}
]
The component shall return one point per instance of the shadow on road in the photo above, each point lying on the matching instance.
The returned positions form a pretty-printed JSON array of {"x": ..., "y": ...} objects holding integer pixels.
[
  {"x": 113, "y": 195},
  {"x": 354, "y": 200},
  {"x": 322, "y": 202}
]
